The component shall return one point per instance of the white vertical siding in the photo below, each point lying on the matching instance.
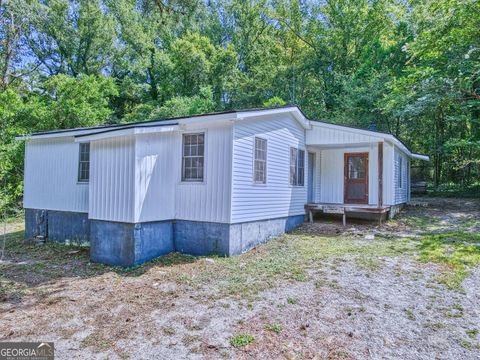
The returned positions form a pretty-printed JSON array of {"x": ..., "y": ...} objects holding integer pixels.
[
  {"x": 388, "y": 175},
  {"x": 276, "y": 198},
  {"x": 322, "y": 134},
  {"x": 317, "y": 178},
  {"x": 318, "y": 172},
  {"x": 332, "y": 174},
  {"x": 157, "y": 164},
  {"x": 138, "y": 178},
  {"x": 210, "y": 200},
  {"x": 112, "y": 179},
  {"x": 401, "y": 190},
  {"x": 51, "y": 173}
]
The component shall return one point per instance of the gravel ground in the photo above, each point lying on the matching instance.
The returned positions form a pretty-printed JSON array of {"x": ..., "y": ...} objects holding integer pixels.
[{"x": 381, "y": 304}]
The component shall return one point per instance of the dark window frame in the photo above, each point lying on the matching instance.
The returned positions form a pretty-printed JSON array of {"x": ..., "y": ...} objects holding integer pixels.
[
  {"x": 83, "y": 175},
  {"x": 198, "y": 157},
  {"x": 259, "y": 161},
  {"x": 297, "y": 167}
]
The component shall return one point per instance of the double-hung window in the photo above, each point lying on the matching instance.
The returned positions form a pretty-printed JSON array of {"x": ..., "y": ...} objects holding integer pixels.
[
  {"x": 193, "y": 157},
  {"x": 297, "y": 167},
  {"x": 84, "y": 162},
  {"x": 260, "y": 162}
]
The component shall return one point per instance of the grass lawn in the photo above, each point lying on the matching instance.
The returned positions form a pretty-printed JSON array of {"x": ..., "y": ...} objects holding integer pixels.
[{"x": 321, "y": 291}]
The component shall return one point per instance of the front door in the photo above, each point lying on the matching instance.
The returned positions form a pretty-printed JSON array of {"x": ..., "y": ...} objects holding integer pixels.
[{"x": 356, "y": 178}]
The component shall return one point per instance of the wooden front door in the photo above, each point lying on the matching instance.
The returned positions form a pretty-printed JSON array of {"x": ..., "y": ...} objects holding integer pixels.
[{"x": 356, "y": 178}]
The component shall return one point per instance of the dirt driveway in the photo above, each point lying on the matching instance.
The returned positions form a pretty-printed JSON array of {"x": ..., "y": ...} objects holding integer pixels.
[{"x": 409, "y": 289}]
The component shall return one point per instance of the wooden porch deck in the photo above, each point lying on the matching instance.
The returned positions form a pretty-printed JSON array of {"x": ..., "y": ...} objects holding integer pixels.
[{"x": 344, "y": 209}]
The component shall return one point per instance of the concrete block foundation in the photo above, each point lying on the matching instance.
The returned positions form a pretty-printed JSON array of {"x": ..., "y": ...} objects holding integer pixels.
[
  {"x": 35, "y": 223},
  {"x": 127, "y": 244},
  {"x": 394, "y": 210},
  {"x": 124, "y": 244},
  {"x": 245, "y": 236},
  {"x": 59, "y": 226},
  {"x": 201, "y": 238}
]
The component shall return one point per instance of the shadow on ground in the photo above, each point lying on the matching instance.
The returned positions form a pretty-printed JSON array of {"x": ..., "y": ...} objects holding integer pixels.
[{"x": 27, "y": 265}]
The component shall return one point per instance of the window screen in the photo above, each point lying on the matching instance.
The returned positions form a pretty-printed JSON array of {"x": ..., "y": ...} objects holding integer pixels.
[{"x": 193, "y": 157}]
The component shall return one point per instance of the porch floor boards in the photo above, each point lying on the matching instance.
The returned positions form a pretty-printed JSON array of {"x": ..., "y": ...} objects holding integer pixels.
[{"x": 344, "y": 209}]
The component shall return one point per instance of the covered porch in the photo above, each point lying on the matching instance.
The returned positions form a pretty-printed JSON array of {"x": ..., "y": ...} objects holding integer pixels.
[{"x": 350, "y": 173}]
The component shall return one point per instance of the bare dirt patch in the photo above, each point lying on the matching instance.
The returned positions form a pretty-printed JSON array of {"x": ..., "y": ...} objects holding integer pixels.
[{"x": 324, "y": 291}]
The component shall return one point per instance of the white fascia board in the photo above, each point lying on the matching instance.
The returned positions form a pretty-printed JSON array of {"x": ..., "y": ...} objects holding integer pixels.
[
  {"x": 386, "y": 137},
  {"x": 125, "y": 132},
  {"x": 297, "y": 114},
  {"x": 215, "y": 118},
  {"x": 59, "y": 134},
  {"x": 420, "y": 157},
  {"x": 341, "y": 145},
  {"x": 405, "y": 150},
  {"x": 350, "y": 129}
]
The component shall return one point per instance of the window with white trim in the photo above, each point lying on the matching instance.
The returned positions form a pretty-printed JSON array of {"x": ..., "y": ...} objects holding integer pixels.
[
  {"x": 84, "y": 162},
  {"x": 297, "y": 167},
  {"x": 260, "y": 162},
  {"x": 193, "y": 157}
]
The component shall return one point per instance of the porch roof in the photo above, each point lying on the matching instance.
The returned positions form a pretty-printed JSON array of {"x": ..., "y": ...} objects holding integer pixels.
[{"x": 330, "y": 136}]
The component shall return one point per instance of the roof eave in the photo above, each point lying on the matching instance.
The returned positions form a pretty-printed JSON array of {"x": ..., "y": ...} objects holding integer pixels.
[
  {"x": 420, "y": 157},
  {"x": 133, "y": 130},
  {"x": 294, "y": 110}
]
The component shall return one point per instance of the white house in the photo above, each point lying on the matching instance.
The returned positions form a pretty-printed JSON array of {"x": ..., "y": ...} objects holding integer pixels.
[{"x": 214, "y": 183}]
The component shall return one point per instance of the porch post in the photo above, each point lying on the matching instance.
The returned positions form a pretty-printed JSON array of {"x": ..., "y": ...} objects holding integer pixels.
[{"x": 380, "y": 174}]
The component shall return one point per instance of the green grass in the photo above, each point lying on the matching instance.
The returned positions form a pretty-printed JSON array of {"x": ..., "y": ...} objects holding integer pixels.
[
  {"x": 368, "y": 263},
  {"x": 458, "y": 251},
  {"x": 169, "y": 331},
  {"x": 410, "y": 315},
  {"x": 241, "y": 340},
  {"x": 288, "y": 258},
  {"x": 472, "y": 333},
  {"x": 285, "y": 259},
  {"x": 276, "y": 328},
  {"x": 292, "y": 301}
]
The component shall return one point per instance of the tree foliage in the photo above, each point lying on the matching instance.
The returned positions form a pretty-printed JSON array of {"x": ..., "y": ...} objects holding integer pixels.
[{"x": 411, "y": 68}]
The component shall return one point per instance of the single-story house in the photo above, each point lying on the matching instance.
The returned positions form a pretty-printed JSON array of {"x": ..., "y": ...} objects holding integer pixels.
[{"x": 214, "y": 183}]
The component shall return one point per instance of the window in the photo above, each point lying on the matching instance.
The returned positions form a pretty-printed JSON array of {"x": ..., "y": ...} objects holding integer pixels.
[
  {"x": 357, "y": 167},
  {"x": 297, "y": 167},
  {"x": 193, "y": 157},
  {"x": 84, "y": 162},
  {"x": 400, "y": 171},
  {"x": 260, "y": 162}
]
